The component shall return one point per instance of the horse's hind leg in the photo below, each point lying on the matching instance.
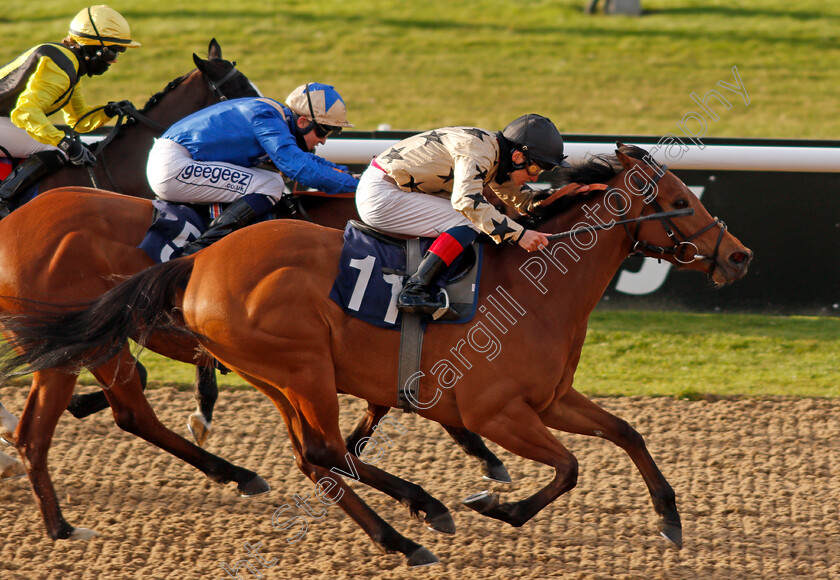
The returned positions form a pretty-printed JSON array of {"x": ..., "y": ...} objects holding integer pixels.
[
  {"x": 574, "y": 413},
  {"x": 206, "y": 394},
  {"x": 471, "y": 443},
  {"x": 51, "y": 391},
  {"x": 82, "y": 406},
  {"x": 8, "y": 424},
  {"x": 332, "y": 489},
  {"x": 133, "y": 413}
]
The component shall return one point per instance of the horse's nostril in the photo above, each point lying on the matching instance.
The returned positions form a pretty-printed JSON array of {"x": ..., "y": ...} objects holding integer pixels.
[{"x": 739, "y": 258}]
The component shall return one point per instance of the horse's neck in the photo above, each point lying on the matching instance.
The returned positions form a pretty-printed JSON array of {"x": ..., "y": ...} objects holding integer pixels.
[
  {"x": 567, "y": 279},
  {"x": 189, "y": 96}
]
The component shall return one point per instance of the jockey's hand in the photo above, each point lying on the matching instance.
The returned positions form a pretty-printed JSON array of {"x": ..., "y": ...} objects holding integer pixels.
[
  {"x": 113, "y": 109},
  {"x": 533, "y": 240},
  {"x": 77, "y": 152}
]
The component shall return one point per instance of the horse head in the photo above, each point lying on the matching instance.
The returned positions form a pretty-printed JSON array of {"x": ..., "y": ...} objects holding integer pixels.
[
  {"x": 222, "y": 77},
  {"x": 638, "y": 190},
  {"x": 696, "y": 241}
]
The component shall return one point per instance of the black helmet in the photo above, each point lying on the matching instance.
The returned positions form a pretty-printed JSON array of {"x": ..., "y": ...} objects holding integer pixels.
[{"x": 538, "y": 138}]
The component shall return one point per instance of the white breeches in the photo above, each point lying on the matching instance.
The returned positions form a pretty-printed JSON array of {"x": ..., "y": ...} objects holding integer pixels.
[
  {"x": 175, "y": 176},
  {"x": 383, "y": 205},
  {"x": 18, "y": 142}
]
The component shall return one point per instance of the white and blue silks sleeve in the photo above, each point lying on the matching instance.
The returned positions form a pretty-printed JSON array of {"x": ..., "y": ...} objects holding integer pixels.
[{"x": 306, "y": 168}]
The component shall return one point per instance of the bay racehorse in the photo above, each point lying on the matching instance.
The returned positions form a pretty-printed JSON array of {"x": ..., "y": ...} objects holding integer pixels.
[
  {"x": 87, "y": 242},
  {"x": 266, "y": 315}
]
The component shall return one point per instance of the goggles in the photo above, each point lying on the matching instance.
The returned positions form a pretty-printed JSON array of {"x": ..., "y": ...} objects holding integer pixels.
[
  {"x": 109, "y": 53},
  {"x": 534, "y": 168},
  {"x": 323, "y": 131},
  {"x": 531, "y": 167}
]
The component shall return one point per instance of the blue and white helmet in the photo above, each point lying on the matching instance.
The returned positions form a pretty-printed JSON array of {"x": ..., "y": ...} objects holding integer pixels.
[{"x": 320, "y": 103}]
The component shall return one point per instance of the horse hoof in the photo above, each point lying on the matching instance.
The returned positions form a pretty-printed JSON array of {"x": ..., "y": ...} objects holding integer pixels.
[
  {"x": 81, "y": 534},
  {"x": 199, "y": 428},
  {"x": 13, "y": 471},
  {"x": 256, "y": 486},
  {"x": 8, "y": 424},
  {"x": 441, "y": 523},
  {"x": 421, "y": 557},
  {"x": 497, "y": 473},
  {"x": 671, "y": 533},
  {"x": 481, "y": 502}
]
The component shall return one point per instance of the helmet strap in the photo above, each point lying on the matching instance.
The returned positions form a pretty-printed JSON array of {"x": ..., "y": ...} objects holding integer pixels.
[{"x": 506, "y": 164}]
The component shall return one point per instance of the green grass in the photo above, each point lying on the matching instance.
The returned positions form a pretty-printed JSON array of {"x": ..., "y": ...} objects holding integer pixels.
[
  {"x": 670, "y": 354},
  {"x": 420, "y": 65}
]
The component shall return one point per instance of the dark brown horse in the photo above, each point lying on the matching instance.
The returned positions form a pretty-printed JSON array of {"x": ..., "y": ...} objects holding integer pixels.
[
  {"x": 508, "y": 377},
  {"x": 121, "y": 156},
  {"x": 121, "y": 167}
]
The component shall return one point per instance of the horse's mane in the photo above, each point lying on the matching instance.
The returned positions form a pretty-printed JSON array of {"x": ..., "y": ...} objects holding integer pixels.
[
  {"x": 596, "y": 169},
  {"x": 155, "y": 99}
]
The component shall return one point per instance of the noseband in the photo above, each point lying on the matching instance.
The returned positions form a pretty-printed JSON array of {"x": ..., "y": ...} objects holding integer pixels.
[{"x": 683, "y": 250}]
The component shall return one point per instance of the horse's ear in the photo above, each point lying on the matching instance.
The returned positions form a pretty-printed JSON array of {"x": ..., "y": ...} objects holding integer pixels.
[
  {"x": 214, "y": 50},
  {"x": 625, "y": 160},
  {"x": 199, "y": 62}
]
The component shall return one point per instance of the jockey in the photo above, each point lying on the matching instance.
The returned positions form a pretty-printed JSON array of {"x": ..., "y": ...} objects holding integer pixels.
[
  {"x": 46, "y": 79},
  {"x": 433, "y": 185},
  {"x": 211, "y": 156}
]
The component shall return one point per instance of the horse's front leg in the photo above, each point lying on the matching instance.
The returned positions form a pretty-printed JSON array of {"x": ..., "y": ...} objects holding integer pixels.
[
  {"x": 518, "y": 428},
  {"x": 206, "y": 394},
  {"x": 474, "y": 446},
  {"x": 356, "y": 441},
  {"x": 574, "y": 413}
]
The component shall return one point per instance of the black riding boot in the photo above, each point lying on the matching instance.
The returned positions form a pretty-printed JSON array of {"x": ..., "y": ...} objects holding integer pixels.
[
  {"x": 28, "y": 173},
  {"x": 419, "y": 294},
  {"x": 237, "y": 215}
]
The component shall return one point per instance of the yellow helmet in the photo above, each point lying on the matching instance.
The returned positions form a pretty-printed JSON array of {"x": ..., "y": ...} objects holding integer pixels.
[{"x": 98, "y": 25}]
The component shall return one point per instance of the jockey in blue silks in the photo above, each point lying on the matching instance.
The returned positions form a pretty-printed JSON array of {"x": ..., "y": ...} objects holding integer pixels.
[{"x": 213, "y": 155}]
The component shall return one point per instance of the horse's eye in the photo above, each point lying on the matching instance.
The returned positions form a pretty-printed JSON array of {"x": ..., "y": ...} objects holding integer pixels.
[{"x": 681, "y": 204}]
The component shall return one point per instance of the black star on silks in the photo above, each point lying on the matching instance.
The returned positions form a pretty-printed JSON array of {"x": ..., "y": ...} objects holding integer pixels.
[
  {"x": 431, "y": 137},
  {"x": 394, "y": 154},
  {"x": 449, "y": 177},
  {"x": 412, "y": 185},
  {"x": 479, "y": 174},
  {"x": 478, "y": 199},
  {"x": 501, "y": 228},
  {"x": 476, "y": 133}
]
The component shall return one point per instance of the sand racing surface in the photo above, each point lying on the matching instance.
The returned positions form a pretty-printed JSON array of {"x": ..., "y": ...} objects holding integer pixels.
[{"x": 757, "y": 484}]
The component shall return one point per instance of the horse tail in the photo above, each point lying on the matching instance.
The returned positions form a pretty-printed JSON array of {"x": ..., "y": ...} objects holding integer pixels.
[{"x": 87, "y": 335}]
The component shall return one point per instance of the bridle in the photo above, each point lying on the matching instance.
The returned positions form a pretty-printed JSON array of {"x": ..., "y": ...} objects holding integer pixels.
[
  {"x": 216, "y": 86},
  {"x": 684, "y": 250}
]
